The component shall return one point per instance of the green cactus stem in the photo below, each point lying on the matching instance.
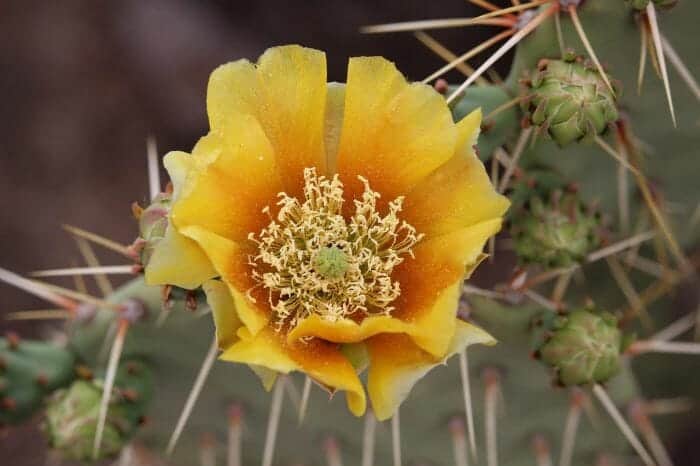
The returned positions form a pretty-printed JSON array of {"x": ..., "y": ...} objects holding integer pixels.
[{"x": 29, "y": 370}]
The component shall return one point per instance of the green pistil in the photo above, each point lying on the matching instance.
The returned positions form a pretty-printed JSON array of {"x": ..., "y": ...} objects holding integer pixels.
[{"x": 331, "y": 262}]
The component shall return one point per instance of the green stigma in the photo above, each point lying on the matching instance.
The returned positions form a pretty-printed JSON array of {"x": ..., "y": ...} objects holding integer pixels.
[{"x": 331, "y": 262}]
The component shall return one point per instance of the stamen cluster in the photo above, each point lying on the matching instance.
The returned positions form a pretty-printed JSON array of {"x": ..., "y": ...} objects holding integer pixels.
[{"x": 314, "y": 261}]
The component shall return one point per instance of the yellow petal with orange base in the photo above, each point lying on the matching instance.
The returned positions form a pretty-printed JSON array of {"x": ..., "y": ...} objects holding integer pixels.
[
  {"x": 227, "y": 196},
  {"x": 394, "y": 133},
  {"x": 459, "y": 193},
  {"x": 286, "y": 93},
  {"x": 228, "y": 323},
  {"x": 431, "y": 330},
  {"x": 320, "y": 360},
  {"x": 335, "y": 107},
  {"x": 231, "y": 262},
  {"x": 223, "y": 310},
  {"x": 431, "y": 283},
  {"x": 176, "y": 259},
  {"x": 397, "y": 364}
]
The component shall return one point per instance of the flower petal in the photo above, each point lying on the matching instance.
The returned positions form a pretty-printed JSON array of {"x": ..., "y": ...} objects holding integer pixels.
[
  {"x": 396, "y": 364},
  {"x": 431, "y": 283},
  {"x": 320, "y": 360},
  {"x": 345, "y": 330},
  {"x": 394, "y": 133},
  {"x": 325, "y": 363},
  {"x": 267, "y": 376},
  {"x": 223, "y": 309},
  {"x": 231, "y": 262},
  {"x": 335, "y": 107},
  {"x": 227, "y": 195},
  {"x": 178, "y": 261},
  {"x": 286, "y": 92},
  {"x": 264, "y": 349},
  {"x": 458, "y": 194},
  {"x": 431, "y": 330},
  {"x": 468, "y": 129}
]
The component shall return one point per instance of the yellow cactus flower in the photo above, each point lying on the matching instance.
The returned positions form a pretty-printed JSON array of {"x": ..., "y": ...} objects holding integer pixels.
[{"x": 341, "y": 220}]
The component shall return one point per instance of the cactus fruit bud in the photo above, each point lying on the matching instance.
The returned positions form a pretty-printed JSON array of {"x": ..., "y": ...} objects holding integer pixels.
[
  {"x": 582, "y": 347},
  {"x": 28, "y": 371},
  {"x": 71, "y": 420},
  {"x": 556, "y": 231},
  {"x": 72, "y": 414},
  {"x": 153, "y": 220},
  {"x": 642, "y": 4},
  {"x": 569, "y": 101}
]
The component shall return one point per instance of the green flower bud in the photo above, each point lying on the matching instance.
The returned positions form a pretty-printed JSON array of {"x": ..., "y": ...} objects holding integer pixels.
[
  {"x": 71, "y": 422},
  {"x": 583, "y": 347},
  {"x": 153, "y": 221},
  {"x": 72, "y": 413},
  {"x": 570, "y": 101},
  {"x": 558, "y": 231}
]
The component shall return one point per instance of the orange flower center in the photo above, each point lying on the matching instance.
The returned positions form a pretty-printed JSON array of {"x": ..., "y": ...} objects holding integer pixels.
[{"x": 314, "y": 261}]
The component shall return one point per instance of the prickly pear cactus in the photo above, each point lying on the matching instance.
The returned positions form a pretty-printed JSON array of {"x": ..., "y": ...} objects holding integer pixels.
[{"x": 559, "y": 118}]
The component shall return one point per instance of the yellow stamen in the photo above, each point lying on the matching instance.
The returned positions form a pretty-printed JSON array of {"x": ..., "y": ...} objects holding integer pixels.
[{"x": 312, "y": 260}]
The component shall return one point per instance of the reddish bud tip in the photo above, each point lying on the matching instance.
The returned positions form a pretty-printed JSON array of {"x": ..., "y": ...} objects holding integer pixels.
[
  {"x": 13, "y": 340},
  {"x": 136, "y": 210},
  {"x": 330, "y": 445},
  {"x": 235, "y": 413},
  {"x": 441, "y": 86},
  {"x": 456, "y": 426},
  {"x": 131, "y": 395},
  {"x": 132, "y": 368},
  {"x": 42, "y": 380},
  {"x": 8, "y": 404},
  {"x": 83, "y": 372},
  {"x": 491, "y": 376},
  {"x": 133, "y": 310},
  {"x": 191, "y": 301}
]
